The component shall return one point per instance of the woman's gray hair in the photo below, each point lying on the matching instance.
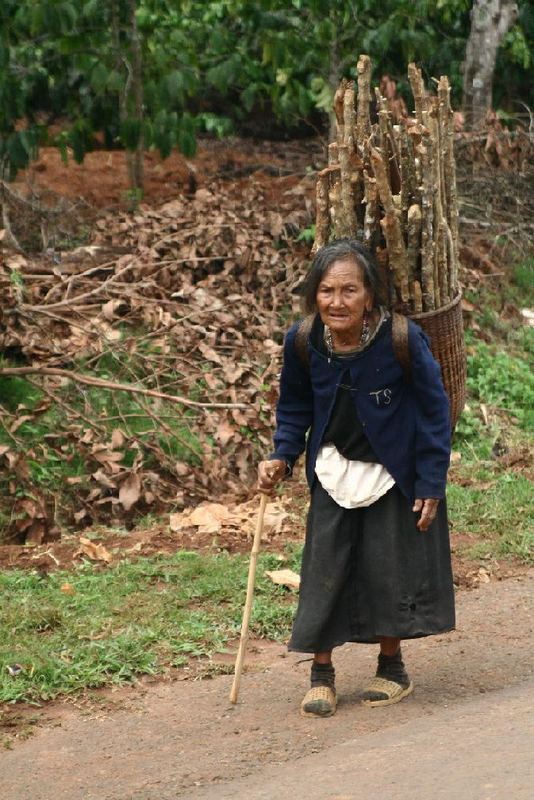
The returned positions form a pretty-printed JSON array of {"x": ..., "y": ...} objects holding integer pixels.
[{"x": 341, "y": 250}]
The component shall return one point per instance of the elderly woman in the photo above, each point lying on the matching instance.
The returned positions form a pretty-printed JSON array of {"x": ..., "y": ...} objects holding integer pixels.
[{"x": 376, "y": 562}]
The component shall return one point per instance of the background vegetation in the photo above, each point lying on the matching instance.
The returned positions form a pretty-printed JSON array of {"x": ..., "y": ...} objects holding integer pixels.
[{"x": 154, "y": 73}]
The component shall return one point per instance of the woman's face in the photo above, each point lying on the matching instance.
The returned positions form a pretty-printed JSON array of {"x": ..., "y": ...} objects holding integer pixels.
[{"x": 342, "y": 297}]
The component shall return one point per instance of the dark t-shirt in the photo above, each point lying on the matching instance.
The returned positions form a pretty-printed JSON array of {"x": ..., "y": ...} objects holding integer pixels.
[{"x": 344, "y": 429}]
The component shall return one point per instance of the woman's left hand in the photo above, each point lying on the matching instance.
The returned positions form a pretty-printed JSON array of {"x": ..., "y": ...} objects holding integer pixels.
[{"x": 428, "y": 508}]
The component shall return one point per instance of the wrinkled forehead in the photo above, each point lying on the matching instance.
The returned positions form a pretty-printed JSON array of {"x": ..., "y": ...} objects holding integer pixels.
[{"x": 347, "y": 269}]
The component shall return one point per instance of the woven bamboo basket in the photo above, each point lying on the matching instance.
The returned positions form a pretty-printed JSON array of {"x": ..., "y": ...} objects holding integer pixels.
[{"x": 445, "y": 328}]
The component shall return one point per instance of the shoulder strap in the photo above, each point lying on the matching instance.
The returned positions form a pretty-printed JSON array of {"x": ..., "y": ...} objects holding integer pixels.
[
  {"x": 301, "y": 340},
  {"x": 399, "y": 327}
]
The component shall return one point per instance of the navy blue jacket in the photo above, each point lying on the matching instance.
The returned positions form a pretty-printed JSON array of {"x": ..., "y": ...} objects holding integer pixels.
[{"x": 407, "y": 423}]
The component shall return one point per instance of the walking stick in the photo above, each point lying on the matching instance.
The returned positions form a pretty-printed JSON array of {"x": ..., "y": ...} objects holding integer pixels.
[{"x": 248, "y": 602}]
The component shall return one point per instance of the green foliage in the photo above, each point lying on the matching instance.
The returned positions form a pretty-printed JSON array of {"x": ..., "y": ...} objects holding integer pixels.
[
  {"x": 503, "y": 381},
  {"x": 133, "y": 618},
  {"x": 523, "y": 278},
  {"x": 279, "y": 60},
  {"x": 307, "y": 235}
]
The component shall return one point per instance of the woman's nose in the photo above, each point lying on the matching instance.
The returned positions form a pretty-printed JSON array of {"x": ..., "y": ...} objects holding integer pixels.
[{"x": 337, "y": 299}]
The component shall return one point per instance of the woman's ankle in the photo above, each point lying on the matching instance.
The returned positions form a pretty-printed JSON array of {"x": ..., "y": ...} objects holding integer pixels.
[
  {"x": 389, "y": 646},
  {"x": 324, "y": 657}
]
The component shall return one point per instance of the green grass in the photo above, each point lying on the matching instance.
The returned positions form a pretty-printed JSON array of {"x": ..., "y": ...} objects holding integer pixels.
[
  {"x": 502, "y": 380},
  {"x": 498, "y": 509},
  {"x": 136, "y": 617}
]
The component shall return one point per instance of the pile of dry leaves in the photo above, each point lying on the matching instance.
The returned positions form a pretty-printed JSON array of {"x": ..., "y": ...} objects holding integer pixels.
[{"x": 178, "y": 307}]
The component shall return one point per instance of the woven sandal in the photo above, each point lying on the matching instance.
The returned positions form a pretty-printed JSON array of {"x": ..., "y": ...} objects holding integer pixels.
[
  {"x": 393, "y": 692},
  {"x": 319, "y": 702}
]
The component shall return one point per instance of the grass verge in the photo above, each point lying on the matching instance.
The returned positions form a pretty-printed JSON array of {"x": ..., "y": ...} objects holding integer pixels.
[
  {"x": 85, "y": 628},
  {"x": 498, "y": 509}
]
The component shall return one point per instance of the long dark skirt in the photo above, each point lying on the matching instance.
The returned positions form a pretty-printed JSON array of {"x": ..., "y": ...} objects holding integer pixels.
[{"x": 368, "y": 572}]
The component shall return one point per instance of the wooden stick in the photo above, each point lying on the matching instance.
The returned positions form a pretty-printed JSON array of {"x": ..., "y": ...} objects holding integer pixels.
[
  {"x": 391, "y": 227},
  {"x": 322, "y": 212},
  {"x": 73, "y": 300},
  {"x": 417, "y": 297},
  {"x": 409, "y": 183},
  {"x": 414, "y": 244},
  {"x": 339, "y": 99},
  {"x": 427, "y": 224},
  {"x": 418, "y": 90},
  {"x": 346, "y": 226},
  {"x": 450, "y": 180},
  {"x": 334, "y": 190},
  {"x": 371, "y": 225},
  {"x": 363, "y": 122},
  {"x": 248, "y": 602},
  {"x": 349, "y": 117}
]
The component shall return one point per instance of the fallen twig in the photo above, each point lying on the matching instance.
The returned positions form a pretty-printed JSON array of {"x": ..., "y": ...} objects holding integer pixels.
[
  {"x": 112, "y": 386},
  {"x": 75, "y": 300}
]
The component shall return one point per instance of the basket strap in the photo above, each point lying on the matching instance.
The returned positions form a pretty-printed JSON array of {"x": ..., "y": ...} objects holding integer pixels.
[
  {"x": 400, "y": 344},
  {"x": 301, "y": 340}
]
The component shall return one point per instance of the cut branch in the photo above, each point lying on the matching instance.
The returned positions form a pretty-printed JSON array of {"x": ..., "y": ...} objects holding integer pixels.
[{"x": 112, "y": 386}]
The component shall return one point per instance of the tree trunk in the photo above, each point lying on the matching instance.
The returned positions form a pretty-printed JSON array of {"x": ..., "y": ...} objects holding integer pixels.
[
  {"x": 131, "y": 96},
  {"x": 333, "y": 80},
  {"x": 490, "y": 21},
  {"x": 136, "y": 159}
]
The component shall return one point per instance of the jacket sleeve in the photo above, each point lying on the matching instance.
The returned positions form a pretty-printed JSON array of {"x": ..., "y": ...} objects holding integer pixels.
[
  {"x": 294, "y": 411},
  {"x": 433, "y": 433}
]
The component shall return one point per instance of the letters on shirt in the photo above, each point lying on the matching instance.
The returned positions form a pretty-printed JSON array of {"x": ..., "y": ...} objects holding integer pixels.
[{"x": 382, "y": 397}]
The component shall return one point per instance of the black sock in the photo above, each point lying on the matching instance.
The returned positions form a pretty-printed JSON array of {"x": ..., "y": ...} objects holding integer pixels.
[
  {"x": 323, "y": 675},
  {"x": 392, "y": 668}
]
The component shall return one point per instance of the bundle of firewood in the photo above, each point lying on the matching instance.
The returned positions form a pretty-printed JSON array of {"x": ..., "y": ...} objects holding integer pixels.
[{"x": 393, "y": 186}]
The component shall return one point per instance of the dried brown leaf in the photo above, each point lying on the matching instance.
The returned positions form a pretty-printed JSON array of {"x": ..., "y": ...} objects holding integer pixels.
[
  {"x": 117, "y": 439},
  {"x": 130, "y": 490},
  {"x": 93, "y": 550},
  {"x": 284, "y": 577}
]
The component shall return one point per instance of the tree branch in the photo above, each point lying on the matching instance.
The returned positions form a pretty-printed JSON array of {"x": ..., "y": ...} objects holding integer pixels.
[{"x": 118, "y": 387}]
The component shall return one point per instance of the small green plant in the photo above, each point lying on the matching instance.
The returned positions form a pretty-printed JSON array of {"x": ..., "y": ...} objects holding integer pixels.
[
  {"x": 133, "y": 197},
  {"x": 16, "y": 279},
  {"x": 523, "y": 278},
  {"x": 307, "y": 235}
]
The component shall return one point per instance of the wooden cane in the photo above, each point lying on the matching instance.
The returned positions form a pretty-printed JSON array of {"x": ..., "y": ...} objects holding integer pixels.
[{"x": 248, "y": 602}]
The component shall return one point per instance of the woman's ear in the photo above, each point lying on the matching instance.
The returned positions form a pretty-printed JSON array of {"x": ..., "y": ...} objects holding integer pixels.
[{"x": 369, "y": 302}]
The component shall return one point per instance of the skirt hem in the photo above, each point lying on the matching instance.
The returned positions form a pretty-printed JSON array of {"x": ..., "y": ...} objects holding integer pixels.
[{"x": 366, "y": 640}]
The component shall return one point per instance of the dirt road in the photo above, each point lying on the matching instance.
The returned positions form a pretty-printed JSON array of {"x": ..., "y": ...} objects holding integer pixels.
[
  {"x": 184, "y": 740},
  {"x": 481, "y": 750}
]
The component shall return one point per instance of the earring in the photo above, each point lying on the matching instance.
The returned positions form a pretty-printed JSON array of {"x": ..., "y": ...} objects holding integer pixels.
[
  {"x": 365, "y": 328},
  {"x": 328, "y": 341}
]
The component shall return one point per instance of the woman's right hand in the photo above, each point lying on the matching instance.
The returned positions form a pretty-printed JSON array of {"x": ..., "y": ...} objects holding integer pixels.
[{"x": 269, "y": 473}]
